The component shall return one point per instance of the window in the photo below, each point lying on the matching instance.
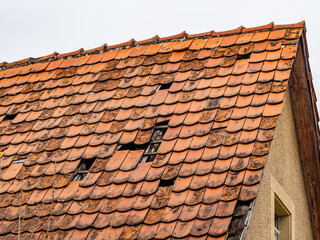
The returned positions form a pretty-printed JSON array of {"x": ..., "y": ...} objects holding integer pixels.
[
  {"x": 276, "y": 227},
  {"x": 282, "y": 219},
  {"x": 283, "y": 212},
  {"x": 150, "y": 153},
  {"x": 83, "y": 169}
]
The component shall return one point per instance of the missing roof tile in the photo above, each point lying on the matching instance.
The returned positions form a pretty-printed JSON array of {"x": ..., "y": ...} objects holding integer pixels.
[
  {"x": 241, "y": 219},
  {"x": 131, "y": 146},
  {"x": 150, "y": 148},
  {"x": 10, "y": 117},
  {"x": 83, "y": 169},
  {"x": 245, "y": 56},
  {"x": 167, "y": 182},
  {"x": 164, "y": 86},
  {"x": 151, "y": 152}
]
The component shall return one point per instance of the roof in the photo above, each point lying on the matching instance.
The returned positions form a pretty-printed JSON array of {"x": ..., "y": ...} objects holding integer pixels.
[{"x": 220, "y": 94}]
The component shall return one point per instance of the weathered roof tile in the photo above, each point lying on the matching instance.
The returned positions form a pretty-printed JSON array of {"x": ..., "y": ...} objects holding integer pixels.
[{"x": 222, "y": 94}]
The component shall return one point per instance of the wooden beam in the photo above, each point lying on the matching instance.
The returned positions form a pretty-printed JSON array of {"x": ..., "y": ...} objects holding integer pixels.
[{"x": 304, "y": 109}]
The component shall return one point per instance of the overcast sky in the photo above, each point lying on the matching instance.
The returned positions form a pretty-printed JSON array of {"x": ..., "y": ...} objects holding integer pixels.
[{"x": 35, "y": 28}]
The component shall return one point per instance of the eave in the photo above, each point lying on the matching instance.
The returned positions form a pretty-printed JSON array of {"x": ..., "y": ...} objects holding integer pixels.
[{"x": 307, "y": 129}]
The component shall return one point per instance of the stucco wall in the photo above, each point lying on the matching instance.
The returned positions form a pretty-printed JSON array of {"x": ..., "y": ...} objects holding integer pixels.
[{"x": 284, "y": 166}]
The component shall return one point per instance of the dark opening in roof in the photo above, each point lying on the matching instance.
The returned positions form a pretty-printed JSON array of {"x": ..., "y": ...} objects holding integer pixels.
[
  {"x": 165, "y": 86},
  {"x": 83, "y": 169},
  {"x": 167, "y": 182},
  {"x": 10, "y": 117},
  {"x": 245, "y": 56}
]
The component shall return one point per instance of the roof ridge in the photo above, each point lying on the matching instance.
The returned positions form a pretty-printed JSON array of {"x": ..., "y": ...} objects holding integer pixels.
[{"x": 154, "y": 40}]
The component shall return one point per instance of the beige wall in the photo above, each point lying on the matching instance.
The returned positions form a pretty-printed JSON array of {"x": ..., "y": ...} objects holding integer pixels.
[{"x": 283, "y": 167}]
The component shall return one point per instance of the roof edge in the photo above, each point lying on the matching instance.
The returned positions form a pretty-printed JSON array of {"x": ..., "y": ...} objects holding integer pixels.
[
  {"x": 307, "y": 130},
  {"x": 154, "y": 40}
]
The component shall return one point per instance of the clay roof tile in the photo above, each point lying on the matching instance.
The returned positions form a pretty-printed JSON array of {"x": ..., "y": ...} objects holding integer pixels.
[{"x": 177, "y": 129}]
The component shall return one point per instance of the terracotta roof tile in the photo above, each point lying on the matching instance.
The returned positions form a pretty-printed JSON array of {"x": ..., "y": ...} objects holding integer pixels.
[{"x": 222, "y": 109}]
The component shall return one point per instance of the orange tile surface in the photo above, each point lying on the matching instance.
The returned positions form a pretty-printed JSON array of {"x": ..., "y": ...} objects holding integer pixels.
[{"x": 226, "y": 95}]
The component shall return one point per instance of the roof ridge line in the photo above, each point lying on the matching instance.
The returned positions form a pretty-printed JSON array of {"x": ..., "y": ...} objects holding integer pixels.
[{"x": 154, "y": 40}]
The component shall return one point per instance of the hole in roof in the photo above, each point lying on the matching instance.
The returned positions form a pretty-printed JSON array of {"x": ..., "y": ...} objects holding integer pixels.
[
  {"x": 156, "y": 139},
  {"x": 10, "y": 117},
  {"x": 131, "y": 146},
  {"x": 167, "y": 182},
  {"x": 164, "y": 86},
  {"x": 241, "y": 217},
  {"x": 19, "y": 160},
  {"x": 150, "y": 148},
  {"x": 245, "y": 56},
  {"x": 83, "y": 169}
]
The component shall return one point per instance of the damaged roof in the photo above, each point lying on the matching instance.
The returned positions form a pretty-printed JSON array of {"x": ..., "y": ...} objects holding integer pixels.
[{"x": 157, "y": 139}]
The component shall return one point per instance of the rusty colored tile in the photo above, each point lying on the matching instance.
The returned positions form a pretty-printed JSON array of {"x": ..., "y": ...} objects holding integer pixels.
[
  {"x": 204, "y": 53},
  {"x": 102, "y": 220},
  {"x": 279, "y": 86},
  {"x": 244, "y": 38},
  {"x": 99, "y": 192},
  {"x": 119, "y": 218},
  {"x": 258, "y": 57},
  {"x": 182, "y": 132},
  {"x": 143, "y": 137},
  {"x": 219, "y": 226},
  {"x": 131, "y": 160},
  {"x": 275, "y": 98},
  {"x": 239, "y": 163},
  {"x": 254, "y": 112},
  {"x": 248, "y": 192},
  {"x": 259, "y": 99},
  {"x": 252, "y": 177},
  {"x": 257, "y": 162},
  {"x": 254, "y": 67},
  {"x": 212, "y": 195},
  {"x": 260, "y": 36},
  {"x": 227, "y": 151},
  {"x": 195, "y": 155},
  {"x": 12, "y": 171},
  {"x": 228, "y": 194},
  {"x": 269, "y": 66},
  {"x": 245, "y": 49},
  {"x": 166, "y": 146},
  {"x": 223, "y": 115},
  {"x": 108, "y": 206},
  {"x": 261, "y": 148},
  {"x": 288, "y": 52},
  {"x": 198, "y": 44},
  {"x": 229, "y": 40},
  {"x": 285, "y": 64},
  {"x": 80, "y": 234},
  {"x": 259, "y": 47},
  {"x": 272, "y": 110},
  {"x": 85, "y": 221},
  {"x": 114, "y": 163},
  {"x": 274, "y": 55},
  {"x": 248, "y": 136},
  {"x": 153, "y": 49},
  {"x": 277, "y": 34}
]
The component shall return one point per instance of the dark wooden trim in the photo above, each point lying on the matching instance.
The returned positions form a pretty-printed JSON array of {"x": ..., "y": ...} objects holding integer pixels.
[{"x": 304, "y": 108}]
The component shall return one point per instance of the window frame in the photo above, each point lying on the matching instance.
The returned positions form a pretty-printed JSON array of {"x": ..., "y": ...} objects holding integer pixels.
[{"x": 283, "y": 207}]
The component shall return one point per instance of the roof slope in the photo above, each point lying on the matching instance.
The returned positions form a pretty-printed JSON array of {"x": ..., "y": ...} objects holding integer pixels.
[{"x": 226, "y": 95}]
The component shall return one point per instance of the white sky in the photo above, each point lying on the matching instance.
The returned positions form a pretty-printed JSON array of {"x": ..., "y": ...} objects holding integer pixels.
[{"x": 35, "y": 28}]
